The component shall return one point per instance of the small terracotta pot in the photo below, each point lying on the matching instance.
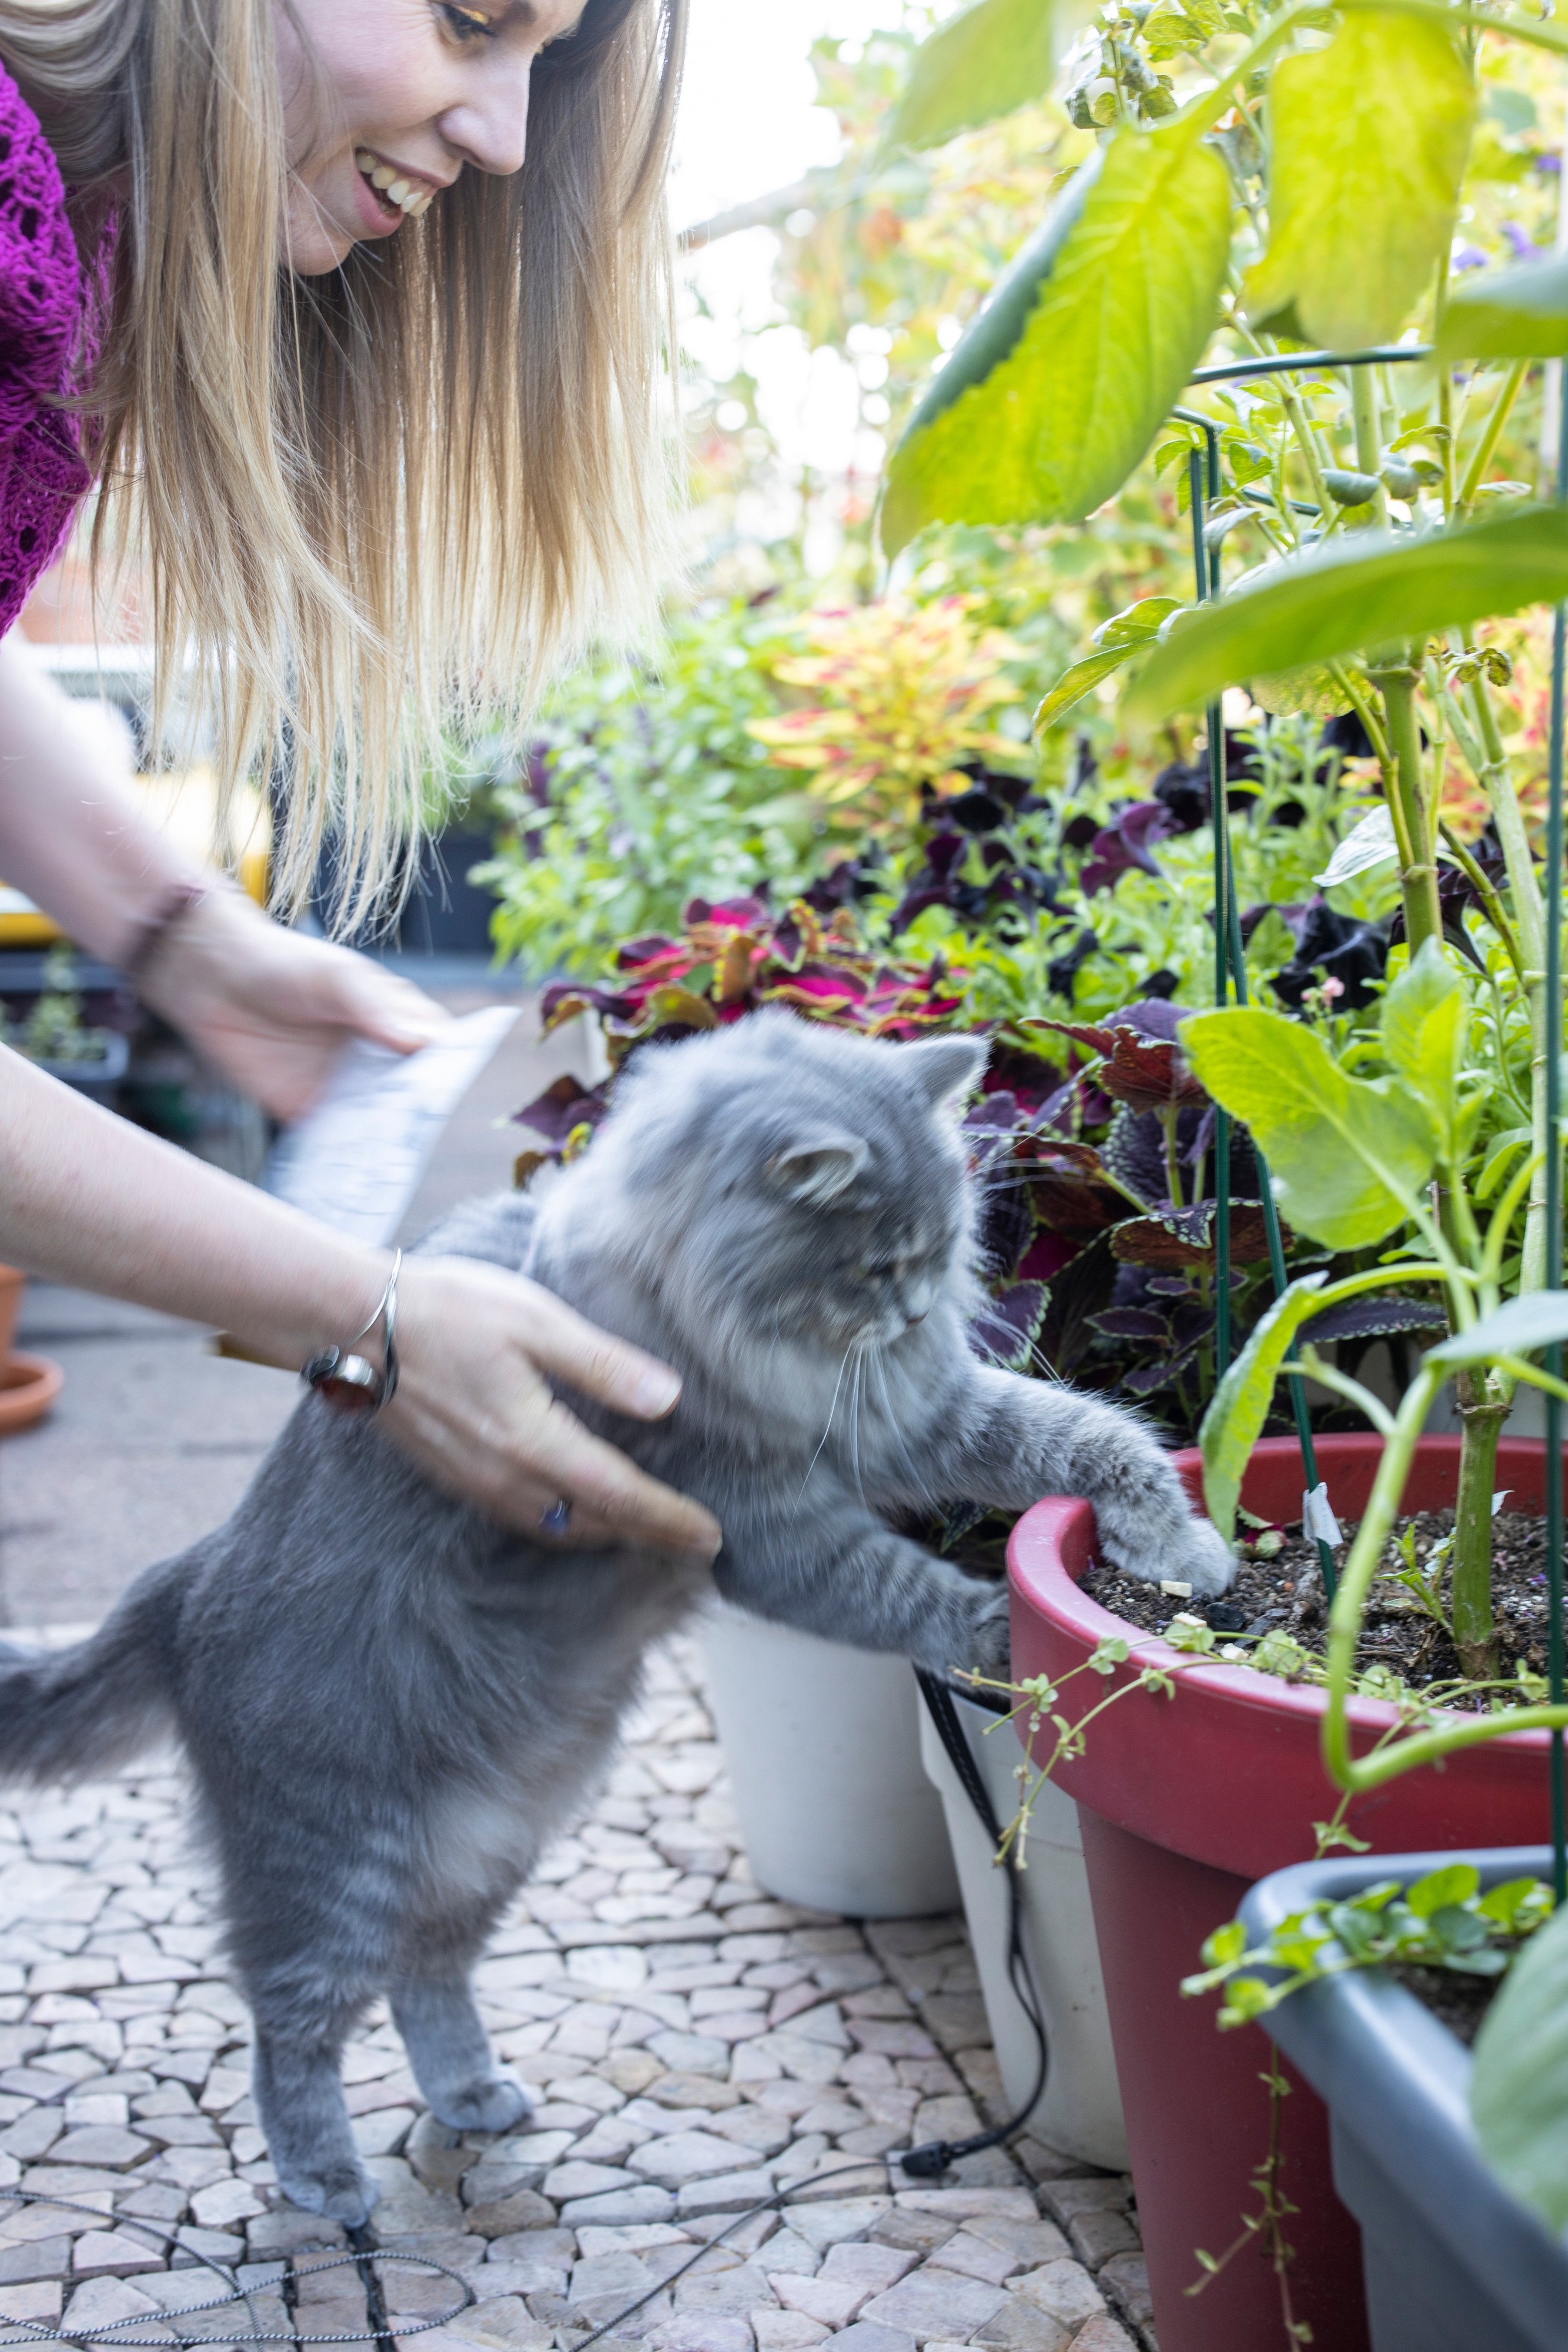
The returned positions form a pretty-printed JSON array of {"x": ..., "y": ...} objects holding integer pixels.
[
  {"x": 28, "y": 1387},
  {"x": 13, "y": 1283}
]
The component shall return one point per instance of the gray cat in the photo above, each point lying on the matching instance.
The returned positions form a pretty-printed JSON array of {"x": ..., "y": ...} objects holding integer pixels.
[{"x": 390, "y": 1706}]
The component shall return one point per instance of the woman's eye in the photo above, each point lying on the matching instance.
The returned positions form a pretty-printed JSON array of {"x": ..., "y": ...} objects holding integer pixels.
[{"x": 467, "y": 24}]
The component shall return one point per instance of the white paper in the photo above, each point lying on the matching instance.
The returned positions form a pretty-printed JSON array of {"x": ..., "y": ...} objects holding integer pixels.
[
  {"x": 354, "y": 1160},
  {"x": 1318, "y": 1520}
]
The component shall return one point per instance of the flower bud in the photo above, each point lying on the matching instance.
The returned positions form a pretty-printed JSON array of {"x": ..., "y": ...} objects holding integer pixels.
[{"x": 1348, "y": 489}]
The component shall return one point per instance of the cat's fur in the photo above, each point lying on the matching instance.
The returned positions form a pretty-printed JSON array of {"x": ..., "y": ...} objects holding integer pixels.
[{"x": 390, "y": 1705}]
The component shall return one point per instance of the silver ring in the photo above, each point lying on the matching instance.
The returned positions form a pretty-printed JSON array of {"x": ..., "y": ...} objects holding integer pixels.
[{"x": 556, "y": 1519}]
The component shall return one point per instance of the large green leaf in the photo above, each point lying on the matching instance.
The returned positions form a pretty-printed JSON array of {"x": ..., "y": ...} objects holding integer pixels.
[
  {"x": 1057, "y": 424},
  {"x": 1368, "y": 141},
  {"x": 1508, "y": 314},
  {"x": 1347, "y": 1155},
  {"x": 1425, "y": 1027},
  {"x": 1235, "y": 1418},
  {"x": 996, "y": 56},
  {"x": 1517, "y": 1328},
  {"x": 1519, "y": 2089},
  {"x": 1354, "y": 595}
]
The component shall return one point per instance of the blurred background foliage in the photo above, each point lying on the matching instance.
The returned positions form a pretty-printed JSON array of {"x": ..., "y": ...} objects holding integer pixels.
[{"x": 685, "y": 772}]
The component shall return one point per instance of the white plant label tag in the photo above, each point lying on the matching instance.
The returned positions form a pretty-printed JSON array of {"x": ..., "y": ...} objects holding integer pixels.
[
  {"x": 354, "y": 1159},
  {"x": 1317, "y": 1521}
]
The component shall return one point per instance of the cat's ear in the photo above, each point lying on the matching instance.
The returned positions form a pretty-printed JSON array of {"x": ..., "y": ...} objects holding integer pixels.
[
  {"x": 946, "y": 1068},
  {"x": 818, "y": 1168}
]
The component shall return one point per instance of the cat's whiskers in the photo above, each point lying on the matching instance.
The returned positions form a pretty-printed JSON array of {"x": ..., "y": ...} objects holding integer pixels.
[
  {"x": 832, "y": 1408},
  {"x": 879, "y": 1359}
]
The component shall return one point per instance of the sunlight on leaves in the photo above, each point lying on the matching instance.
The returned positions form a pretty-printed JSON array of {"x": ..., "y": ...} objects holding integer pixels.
[
  {"x": 1369, "y": 137},
  {"x": 996, "y": 56},
  {"x": 1121, "y": 321}
]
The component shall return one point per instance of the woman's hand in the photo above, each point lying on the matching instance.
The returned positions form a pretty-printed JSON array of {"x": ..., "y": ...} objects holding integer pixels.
[
  {"x": 474, "y": 1410},
  {"x": 272, "y": 1008}
]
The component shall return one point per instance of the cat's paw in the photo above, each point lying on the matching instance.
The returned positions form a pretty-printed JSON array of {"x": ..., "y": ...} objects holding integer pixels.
[
  {"x": 1201, "y": 1557},
  {"x": 490, "y": 2103},
  {"x": 339, "y": 2189},
  {"x": 989, "y": 1647}
]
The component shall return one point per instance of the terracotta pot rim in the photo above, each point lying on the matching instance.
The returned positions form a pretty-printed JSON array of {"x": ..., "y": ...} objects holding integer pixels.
[
  {"x": 26, "y": 1400},
  {"x": 1040, "y": 1577}
]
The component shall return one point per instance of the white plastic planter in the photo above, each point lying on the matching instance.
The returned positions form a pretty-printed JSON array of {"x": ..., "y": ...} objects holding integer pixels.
[
  {"x": 1080, "y": 2111},
  {"x": 823, "y": 1748}
]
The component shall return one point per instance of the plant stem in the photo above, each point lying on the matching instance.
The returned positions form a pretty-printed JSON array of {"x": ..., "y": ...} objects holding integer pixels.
[
  {"x": 1492, "y": 434},
  {"x": 1404, "y": 784},
  {"x": 1530, "y": 922},
  {"x": 1482, "y": 1417}
]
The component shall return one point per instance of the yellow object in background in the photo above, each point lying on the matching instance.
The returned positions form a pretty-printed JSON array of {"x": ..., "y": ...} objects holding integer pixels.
[{"x": 184, "y": 808}]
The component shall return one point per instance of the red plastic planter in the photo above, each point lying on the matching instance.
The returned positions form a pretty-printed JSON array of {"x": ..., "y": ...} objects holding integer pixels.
[{"x": 1185, "y": 1802}]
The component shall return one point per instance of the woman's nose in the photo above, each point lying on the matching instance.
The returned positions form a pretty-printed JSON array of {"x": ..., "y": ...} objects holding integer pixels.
[{"x": 490, "y": 130}]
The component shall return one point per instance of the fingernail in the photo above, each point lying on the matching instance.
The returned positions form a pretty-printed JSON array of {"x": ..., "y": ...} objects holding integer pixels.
[{"x": 656, "y": 1392}]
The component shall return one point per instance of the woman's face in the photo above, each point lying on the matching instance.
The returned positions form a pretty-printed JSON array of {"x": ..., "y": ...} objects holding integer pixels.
[{"x": 392, "y": 100}]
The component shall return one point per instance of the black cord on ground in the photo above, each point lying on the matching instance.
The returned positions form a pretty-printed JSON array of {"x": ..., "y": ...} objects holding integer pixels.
[{"x": 926, "y": 2162}]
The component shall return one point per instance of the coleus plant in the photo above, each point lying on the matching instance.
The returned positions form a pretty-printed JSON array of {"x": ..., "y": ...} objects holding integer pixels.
[{"x": 1098, "y": 1208}]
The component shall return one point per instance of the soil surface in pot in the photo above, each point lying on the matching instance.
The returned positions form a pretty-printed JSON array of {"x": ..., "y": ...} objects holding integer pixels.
[
  {"x": 1456, "y": 2000},
  {"x": 1283, "y": 1592}
]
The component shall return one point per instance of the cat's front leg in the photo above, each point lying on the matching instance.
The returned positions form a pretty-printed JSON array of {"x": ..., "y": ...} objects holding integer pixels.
[
  {"x": 838, "y": 1571},
  {"x": 1010, "y": 1440}
]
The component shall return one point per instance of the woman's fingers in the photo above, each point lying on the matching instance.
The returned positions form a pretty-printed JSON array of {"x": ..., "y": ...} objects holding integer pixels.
[
  {"x": 598, "y": 1480},
  {"x": 522, "y": 1482},
  {"x": 596, "y": 1364}
]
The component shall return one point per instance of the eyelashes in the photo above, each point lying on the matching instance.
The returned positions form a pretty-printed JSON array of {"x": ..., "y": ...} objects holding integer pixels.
[{"x": 467, "y": 25}]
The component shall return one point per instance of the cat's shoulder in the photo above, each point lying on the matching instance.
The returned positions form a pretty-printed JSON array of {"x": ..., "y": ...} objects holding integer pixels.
[{"x": 498, "y": 1228}]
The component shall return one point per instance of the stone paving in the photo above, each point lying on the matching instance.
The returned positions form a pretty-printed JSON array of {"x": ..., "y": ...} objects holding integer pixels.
[{"x": 692, "y": 2047}]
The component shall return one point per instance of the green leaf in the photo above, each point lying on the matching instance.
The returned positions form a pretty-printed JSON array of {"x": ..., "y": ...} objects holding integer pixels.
[
  {"x": 1348, "y": 1156},
  {"x": 1353, "y": 594},
  {"x": 1234, "y": 1422},
  {"x": 1044, "y": 424},
  {"x": 1518, "y": 2088},
  {"x": 1368, "y": 142},
  {"x": 1225, "y": 1946},
  {"x": 1524, "y": 1324},
  {"x": 1508, "y": 314},
  {"x": 1117, "y": 641},
  {"x": 995, "y": 57},
  {"x": 1440, "y": 1888},
  {"x": 1425, "y": 1026}
]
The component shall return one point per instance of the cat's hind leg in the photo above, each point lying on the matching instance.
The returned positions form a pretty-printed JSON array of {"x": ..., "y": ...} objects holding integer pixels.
[
  {"x": 450, "y": 2052},
  {"x": 298, "y": 2091}
]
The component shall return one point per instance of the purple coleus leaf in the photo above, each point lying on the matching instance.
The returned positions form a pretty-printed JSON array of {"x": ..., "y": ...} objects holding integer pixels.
[
  {"x": 1006, "y": 1329},
  {"x": 562, "y": 1107},
  {"x": 1130, "y": 842}
]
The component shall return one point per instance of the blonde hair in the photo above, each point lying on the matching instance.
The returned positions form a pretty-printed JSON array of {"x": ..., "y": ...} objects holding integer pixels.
[{"x": 389, "y": 497}]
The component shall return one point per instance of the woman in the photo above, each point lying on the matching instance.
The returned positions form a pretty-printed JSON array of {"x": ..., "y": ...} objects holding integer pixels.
[{"x": 353, "y": 311}]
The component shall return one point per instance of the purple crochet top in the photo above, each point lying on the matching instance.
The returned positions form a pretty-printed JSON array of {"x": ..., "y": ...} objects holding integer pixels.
[{"x": 47, "y": 345}]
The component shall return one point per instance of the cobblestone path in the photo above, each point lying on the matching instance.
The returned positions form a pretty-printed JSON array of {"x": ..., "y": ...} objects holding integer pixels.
[{"x": 692, "y": 2047}]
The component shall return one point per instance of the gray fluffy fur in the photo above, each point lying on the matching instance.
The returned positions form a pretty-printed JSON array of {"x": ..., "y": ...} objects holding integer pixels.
[{"x": 390, "y": 1706}]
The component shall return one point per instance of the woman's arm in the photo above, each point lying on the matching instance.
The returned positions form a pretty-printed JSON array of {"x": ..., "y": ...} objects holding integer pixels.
[
  {"x": 269, "y": 1007},
  {"x": 87, "y": 1199}
]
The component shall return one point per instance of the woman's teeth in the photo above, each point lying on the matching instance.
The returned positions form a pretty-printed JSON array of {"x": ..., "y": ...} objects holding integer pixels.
[{"x": 408, "y": 195}]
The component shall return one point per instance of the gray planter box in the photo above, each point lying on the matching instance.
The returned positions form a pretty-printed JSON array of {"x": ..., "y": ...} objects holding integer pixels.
[{"x": 1454, "y": 2264}]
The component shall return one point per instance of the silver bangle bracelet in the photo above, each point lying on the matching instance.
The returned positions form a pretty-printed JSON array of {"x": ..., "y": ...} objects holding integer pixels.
[{"x": 352, "y": 1383}]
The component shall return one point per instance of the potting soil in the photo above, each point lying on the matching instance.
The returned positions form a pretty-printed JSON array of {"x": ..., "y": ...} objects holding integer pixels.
[{"x": 1282, "y": 1590}]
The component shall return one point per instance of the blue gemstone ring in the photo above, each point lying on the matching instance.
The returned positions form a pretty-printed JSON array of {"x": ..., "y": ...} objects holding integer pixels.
[{"x": 556, "y": 1519}]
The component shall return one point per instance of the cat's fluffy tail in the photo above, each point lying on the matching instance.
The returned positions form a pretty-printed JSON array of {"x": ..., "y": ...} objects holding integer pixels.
[{"x": 65, "y": 1714}]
